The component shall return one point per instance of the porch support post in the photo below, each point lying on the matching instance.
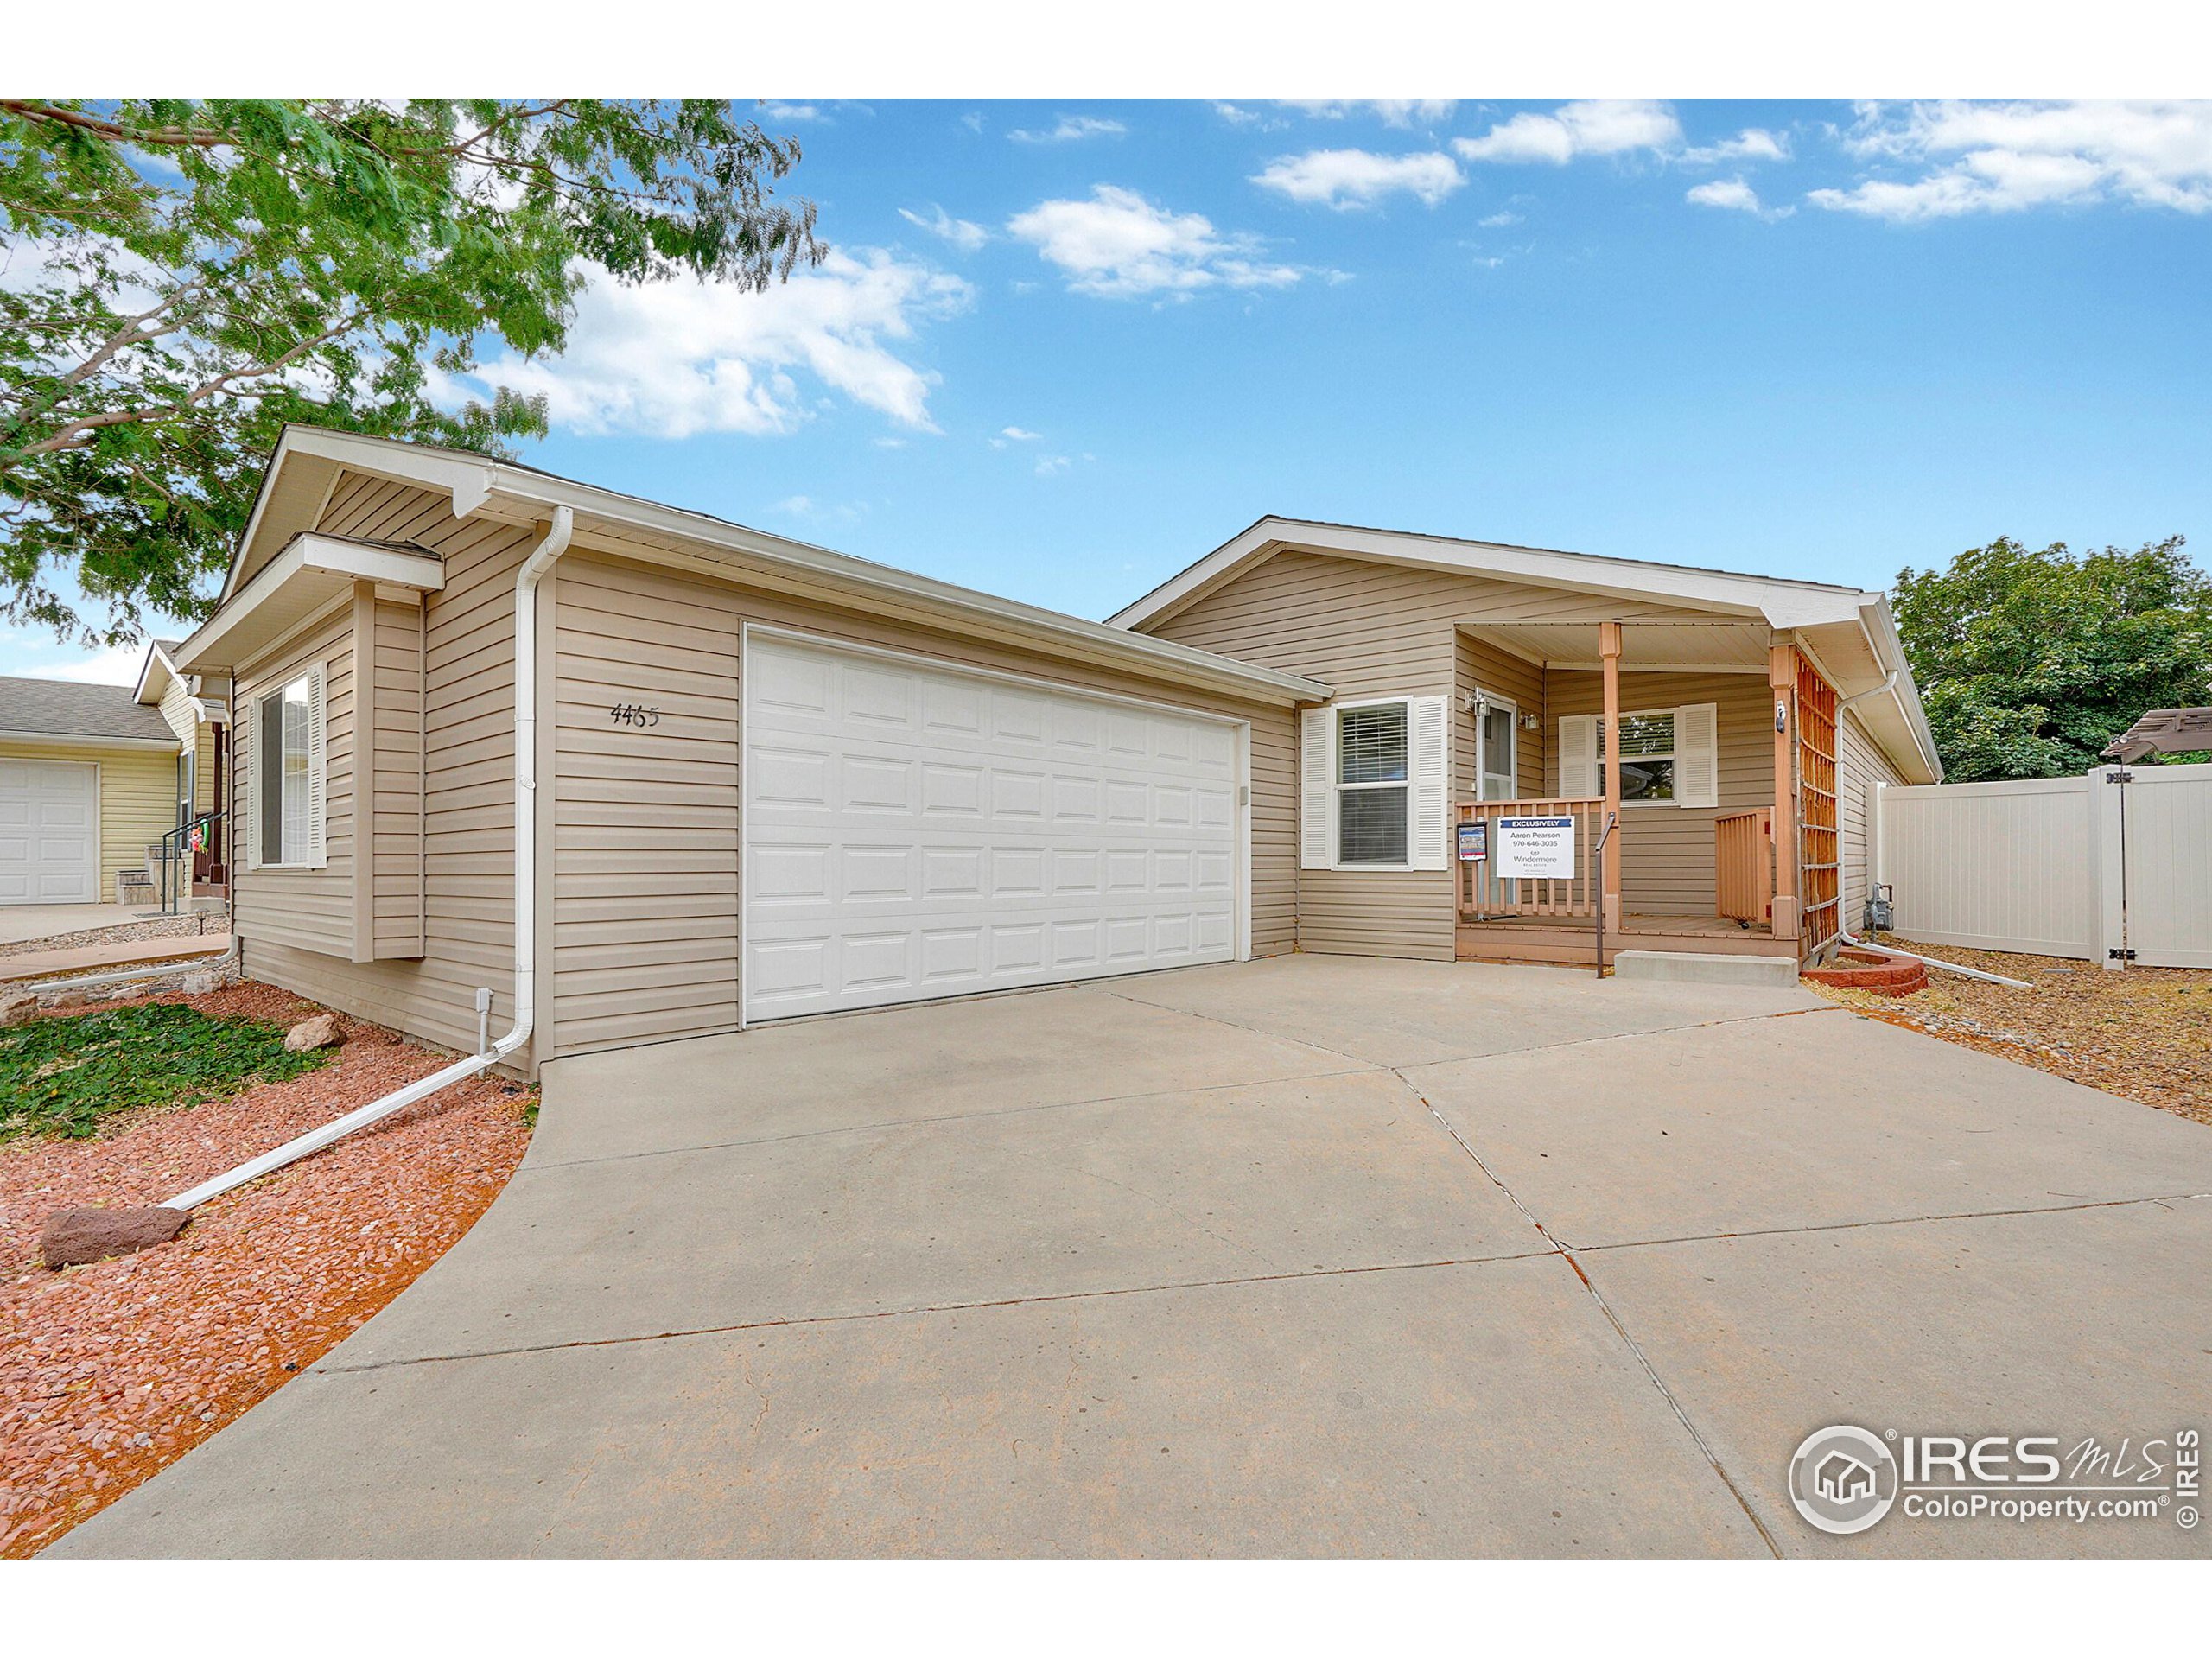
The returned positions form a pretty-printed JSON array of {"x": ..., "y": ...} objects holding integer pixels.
[
  {"x": 1609, "y": 656},
  {"x": 1781, "y": 679}
]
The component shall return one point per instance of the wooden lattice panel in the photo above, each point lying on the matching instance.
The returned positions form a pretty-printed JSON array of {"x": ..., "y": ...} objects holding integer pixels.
[{"x": 1819, "y": 848}]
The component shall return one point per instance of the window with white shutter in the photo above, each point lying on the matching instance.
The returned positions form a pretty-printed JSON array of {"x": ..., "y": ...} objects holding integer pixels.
[
  {"x": 1375, "y": 791},
  {"x": 1669, "y": 757}
]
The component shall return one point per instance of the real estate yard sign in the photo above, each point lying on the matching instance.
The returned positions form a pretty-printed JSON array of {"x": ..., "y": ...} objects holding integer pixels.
[{"x": 1535, "y": 849}]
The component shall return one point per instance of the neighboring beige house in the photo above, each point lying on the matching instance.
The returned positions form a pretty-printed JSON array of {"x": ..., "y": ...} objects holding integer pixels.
[
  {"x": 760, "y": 779},
  {"x": 88, "y": 782}
]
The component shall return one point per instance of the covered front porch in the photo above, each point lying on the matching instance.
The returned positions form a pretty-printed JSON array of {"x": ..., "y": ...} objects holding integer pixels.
[{"x": 1689, "y": 768}]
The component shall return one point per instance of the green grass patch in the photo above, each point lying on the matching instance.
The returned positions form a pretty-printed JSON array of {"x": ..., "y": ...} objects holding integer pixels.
[{"x": 62, "y": 1077}]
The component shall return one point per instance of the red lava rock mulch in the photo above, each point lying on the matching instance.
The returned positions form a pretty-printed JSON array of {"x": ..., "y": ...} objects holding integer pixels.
[{"x": 110, "y": 1371}]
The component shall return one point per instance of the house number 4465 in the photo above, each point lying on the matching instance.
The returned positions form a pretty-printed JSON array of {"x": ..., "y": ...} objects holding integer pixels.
[{"x": 634, "y": 714}]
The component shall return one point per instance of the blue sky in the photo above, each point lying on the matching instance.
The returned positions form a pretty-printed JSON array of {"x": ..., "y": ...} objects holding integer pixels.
[{"x": 1064, "y": 349}]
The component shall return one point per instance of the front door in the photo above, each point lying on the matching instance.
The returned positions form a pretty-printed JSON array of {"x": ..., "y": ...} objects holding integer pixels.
[{"x": 1496, "y": 753}]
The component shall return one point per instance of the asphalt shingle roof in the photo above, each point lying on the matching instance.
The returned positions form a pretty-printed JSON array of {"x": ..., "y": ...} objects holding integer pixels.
[{"x": 67, "y": 709}]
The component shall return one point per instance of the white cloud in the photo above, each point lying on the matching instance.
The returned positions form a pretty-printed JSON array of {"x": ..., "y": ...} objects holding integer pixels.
[
  {"x": 1360, "y": 178},
  {"x": 679, "y": 358},
  {"x": 1735, "y": 195},
  {"x": 775, "y": 110},
  {"x": 1751, "y": 144},
  {"x": 1237, "y": 116},
  {"x": 1018, "y": 434},
  {"x": 973, "y": 120},
  {"x": 1499, "y": 220},
  {"x": 1048, "y": 465},
  {"x": 963, "y": 234},
  {"x": 1597, "y": 126},
  {"x": 2007, "y": 157},
  {"x": 115, "y": 665},
  {"x": 1394, "y": 112},
  {"x": 1118, "y": 246},
  {"x": 806, "y": 507},
  {"x": 1072, "y": 128}
]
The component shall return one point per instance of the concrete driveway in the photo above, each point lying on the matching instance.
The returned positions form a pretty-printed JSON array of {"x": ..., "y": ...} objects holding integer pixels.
[{"x": 1310, "y": 1256}]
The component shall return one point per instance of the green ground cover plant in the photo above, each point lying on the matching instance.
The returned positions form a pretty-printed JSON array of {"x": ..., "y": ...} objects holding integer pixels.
[{"x": 64, "y": 1076}]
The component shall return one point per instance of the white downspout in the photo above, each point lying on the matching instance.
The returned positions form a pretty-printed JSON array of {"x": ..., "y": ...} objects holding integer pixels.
[
  {"x": 1889, "y": 684},
  {"x": 550, "y": 546}
]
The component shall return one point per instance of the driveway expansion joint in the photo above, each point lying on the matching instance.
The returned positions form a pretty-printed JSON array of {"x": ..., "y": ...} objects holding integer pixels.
[
  {"x": 1620, "y": 1329},
  {"x": 938, "y": 1117},
  {"x": 2159, "y": 1198},
  {"x": 922, "y": 1309}
]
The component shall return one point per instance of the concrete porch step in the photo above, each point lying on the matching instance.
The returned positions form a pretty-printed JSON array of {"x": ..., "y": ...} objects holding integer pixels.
[{"x": 1691, "y": 966}]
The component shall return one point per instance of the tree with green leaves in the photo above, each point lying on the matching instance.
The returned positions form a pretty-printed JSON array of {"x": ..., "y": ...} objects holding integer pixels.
[
  {"x": 2031, "y": 663},
  {"x": 181, "y": 278}
]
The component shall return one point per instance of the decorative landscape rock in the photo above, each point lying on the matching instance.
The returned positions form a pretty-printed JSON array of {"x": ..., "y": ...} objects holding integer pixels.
[
  {"x": 16, "y": 1007},
  {"x": 202, "y": 984},
  {"x": 72, "y": 1237},
  {"x": 322, "y": 1031}
]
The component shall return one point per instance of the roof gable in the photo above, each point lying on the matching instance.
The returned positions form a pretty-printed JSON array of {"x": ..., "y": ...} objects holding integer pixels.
[{"x": 1783, "y": 603}]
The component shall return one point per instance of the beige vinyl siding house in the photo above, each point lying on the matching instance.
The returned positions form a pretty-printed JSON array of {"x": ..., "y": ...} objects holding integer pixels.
[
  {"x": 771, "y": 780},
  {"x": 643, "y": 628}
]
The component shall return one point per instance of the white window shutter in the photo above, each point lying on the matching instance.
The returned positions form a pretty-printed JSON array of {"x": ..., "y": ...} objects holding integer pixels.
[
  {"x": 317, "y": 771},
  {"x": 1428, "y": 746},
  {"x": 245, "y": 845},
  {"x": 1317, "y": 790},
  {"x": 1697, "y": 755},
  {"x": 1578, "y": 756}
]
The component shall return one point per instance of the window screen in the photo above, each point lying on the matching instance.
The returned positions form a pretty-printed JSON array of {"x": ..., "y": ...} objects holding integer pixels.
[{"x": 1371, "y": 784}]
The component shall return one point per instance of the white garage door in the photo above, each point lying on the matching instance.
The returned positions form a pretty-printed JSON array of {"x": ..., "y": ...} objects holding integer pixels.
[
  {"x": 50, "y": 832},
  {"x": 916, "y": 831}
]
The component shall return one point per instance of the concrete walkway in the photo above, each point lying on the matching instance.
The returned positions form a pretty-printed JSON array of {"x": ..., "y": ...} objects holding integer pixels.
[
  {"x": 122, "y": 953},
  {"x": 1313, "y": 1256},
  {"x": 19, "y": 924}
]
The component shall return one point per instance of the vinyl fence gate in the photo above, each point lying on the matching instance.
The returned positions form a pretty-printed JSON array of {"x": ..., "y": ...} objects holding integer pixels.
[{"x": 2114, "y": 867}]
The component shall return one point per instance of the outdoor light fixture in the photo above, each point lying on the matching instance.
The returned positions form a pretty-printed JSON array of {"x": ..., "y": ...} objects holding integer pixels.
[{"x": 1780, "y": 716}]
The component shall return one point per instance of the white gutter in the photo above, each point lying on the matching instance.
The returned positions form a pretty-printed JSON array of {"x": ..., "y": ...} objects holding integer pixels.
[
  {"x": 550, "y": 546},
  {"x": 1889, "y": 684}
]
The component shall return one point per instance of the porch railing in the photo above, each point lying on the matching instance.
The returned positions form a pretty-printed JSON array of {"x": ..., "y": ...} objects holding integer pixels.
[
  {"x": 177, "y": 857},
  {"x": 1743, "y": 865},
  {"x": 1484, "y": 896}
]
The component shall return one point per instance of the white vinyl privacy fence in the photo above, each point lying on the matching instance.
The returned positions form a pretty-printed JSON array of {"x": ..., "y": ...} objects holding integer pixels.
[{"x": 2115, "y": 867}]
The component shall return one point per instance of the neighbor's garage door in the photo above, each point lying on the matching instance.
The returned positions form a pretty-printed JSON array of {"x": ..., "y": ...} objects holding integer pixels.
[
  {"x": 914, "y": 832},
  {"x": 50, "y": 832}
]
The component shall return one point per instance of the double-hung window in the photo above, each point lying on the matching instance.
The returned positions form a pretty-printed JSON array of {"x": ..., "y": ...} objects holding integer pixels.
[
  {"x": 1647, "y": 755},
  {"x": 288, "y": 763},
  {"x": 1669, "y": 757},
  {"x": 1372, "y": 779}
]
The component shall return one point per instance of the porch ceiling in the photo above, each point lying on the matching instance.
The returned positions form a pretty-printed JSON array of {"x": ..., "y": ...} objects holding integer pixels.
[{"x": 1699, "y": 645}]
